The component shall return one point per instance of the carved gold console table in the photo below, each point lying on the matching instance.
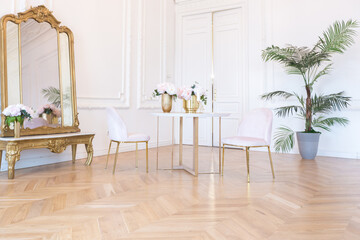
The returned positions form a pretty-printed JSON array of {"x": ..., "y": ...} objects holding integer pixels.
[{"x": 57, "y": 143}]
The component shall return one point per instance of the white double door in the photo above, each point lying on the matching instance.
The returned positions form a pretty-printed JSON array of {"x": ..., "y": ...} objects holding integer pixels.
[{"x": 211, "y": 52}]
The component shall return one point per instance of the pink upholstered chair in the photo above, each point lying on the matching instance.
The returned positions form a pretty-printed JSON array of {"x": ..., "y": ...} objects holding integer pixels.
[
  {"x": 254, "y": 131},
  {"x": 118, "y": 133}
]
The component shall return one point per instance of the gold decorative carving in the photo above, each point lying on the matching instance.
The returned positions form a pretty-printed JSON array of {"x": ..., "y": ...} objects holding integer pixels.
[
  {"x": 58, "y": 145},
  {"x": 13, "y": 146},
  {"x": 12, "y": 156},
  {"x": 76, "y": 122}
]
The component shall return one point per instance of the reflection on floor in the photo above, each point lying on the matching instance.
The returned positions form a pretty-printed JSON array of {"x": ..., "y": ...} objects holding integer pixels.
[{"x": 308, "y": 200}]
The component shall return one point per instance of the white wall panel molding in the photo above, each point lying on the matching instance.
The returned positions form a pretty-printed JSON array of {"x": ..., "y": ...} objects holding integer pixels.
[
  {"x": 123, "y": 98},
  {"x": 22, "y": 5},
  {"x": 151, "y": 50}
]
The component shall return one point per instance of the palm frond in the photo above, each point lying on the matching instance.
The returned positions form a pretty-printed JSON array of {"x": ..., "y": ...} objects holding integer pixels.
[
  {"x": 288, "y": 110},
  {"x": 329, "y": 103},
  {"x": 338, "y": 37},
  {"x": 283, "y": 94},
  {"x": 278, "y": 54},
  {"x": 326, "y": 123},
  {"x": 53, "y": 95},
  {"x": 284, "y": 139},
  {"x": 323, "y": 72}
]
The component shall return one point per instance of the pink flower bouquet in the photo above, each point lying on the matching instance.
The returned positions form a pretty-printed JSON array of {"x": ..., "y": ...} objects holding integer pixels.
[
  {"x": 187, "y": 92},
  {"x": 49, "y": 109}
]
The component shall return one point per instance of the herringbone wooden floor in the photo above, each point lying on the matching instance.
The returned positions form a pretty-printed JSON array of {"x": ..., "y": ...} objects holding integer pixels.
[{"x": 308, "y": 200}]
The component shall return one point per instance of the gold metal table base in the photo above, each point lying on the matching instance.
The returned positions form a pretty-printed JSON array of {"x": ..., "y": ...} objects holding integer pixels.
[
  {"x": 195, "y": 170},
  {"x": 56, "y": 143}
]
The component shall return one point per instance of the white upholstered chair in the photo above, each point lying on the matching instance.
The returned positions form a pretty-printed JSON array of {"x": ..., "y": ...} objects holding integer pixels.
[
  {"x": 118, "y": 133},
  {"x": 254, "y": 131}
]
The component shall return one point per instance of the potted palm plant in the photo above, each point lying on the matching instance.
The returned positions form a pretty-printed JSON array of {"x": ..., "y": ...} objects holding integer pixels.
[{"x": 311, "y": 64}]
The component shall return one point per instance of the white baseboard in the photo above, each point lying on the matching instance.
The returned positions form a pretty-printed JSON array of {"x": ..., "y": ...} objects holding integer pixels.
[{"x": 45, "y": 157}]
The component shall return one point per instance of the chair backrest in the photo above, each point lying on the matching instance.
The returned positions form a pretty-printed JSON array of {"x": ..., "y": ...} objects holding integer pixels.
[
  {"x": 257, "y": 124},
  {"x": 116, "y": 126}
]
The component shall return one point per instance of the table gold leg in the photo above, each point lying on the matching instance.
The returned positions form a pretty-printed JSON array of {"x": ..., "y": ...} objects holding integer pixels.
[
  {"x": 196, "y": 145},
  {"x": 12, "y": 156},
  {"x": 0, "y": 158},
  {"x": 181, "y": 141},
  {"x": 157, "y": 143},
  {"x": 73, "y": 151},
  {"x": 248, "y": 164},
  {"x": 147, "y": 157},
  {"x": 107, "y": 158},
  {"x": 172, "y": 143},
  {"x": 136, "y": 157},
  {"x": 219, "y": 145}
]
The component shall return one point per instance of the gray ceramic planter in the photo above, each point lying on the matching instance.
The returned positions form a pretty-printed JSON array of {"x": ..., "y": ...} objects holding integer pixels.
[{"x": 308, "y": 144}]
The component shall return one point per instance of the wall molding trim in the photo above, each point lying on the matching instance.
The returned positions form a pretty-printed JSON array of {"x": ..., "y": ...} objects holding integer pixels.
[
  {"x": 123, "y": 100},
  {"x": 144, "y": 99}
]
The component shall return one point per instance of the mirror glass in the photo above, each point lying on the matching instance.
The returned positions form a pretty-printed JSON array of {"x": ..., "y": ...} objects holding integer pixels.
[
  {"x": 13, "y": 63},
  {"x": 66, "y": 80},
  {"x": 40, "y": 73}
]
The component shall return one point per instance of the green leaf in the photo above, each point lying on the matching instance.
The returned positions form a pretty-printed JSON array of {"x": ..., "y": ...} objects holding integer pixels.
[
  {"x": 284, "y": 139},
  {"x": 53, "y": 95},
  {"x": 326, "y": 123},
  {"x": 288, "y": 110},
  {"x": 338, "y": 37},
  {"x": 283, "y": 94}
]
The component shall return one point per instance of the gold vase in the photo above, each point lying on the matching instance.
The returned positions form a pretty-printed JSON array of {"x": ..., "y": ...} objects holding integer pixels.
[
  {"x": 191, "y": 105},
  {"x": 48, "y": 117},
  {"x": 16, "y": 129},
  {"x": 166, "y": 102}
]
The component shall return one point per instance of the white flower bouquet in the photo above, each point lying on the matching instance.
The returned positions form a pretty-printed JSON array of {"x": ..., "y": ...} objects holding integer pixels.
[
  {"x": 165, "y": 88},
  {"x": 17, "y": 113}
]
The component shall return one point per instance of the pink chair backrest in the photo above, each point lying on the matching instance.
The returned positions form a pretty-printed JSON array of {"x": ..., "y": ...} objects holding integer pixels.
[
  {"x": 257, "y": 124},
  {"x": 116, "y": 126}
]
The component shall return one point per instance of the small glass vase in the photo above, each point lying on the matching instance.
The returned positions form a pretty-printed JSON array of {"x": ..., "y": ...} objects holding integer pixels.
[
  {"x": 166, "y": 102},
  {"x": 16, "y": 129},
  {"x": 191, "y": 105}
]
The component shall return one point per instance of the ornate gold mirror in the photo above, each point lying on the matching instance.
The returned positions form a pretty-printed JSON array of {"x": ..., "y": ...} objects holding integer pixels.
[{"x": 37, "y": 70}]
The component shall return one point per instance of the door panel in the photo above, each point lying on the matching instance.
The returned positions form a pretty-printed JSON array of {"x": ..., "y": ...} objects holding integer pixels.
[
  {"x": 228, "y": 69},
  {"x": 196, "y": 67}
]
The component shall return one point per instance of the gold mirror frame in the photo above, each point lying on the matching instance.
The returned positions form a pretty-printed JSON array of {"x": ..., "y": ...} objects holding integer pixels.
[{"x": 40, "y": 14}]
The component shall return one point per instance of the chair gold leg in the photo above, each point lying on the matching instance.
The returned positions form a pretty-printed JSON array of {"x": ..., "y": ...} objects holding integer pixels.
[
  {"x": 223, "y": 160},
  {"x": 271, "y": 163},
  {"x": 247, "y": 164},
  {"x": 116, "y": 154},
  {"x": 147, "y": 157},
  {"x": 107, "y": 158},
  {"x": 136, "y": 156}
]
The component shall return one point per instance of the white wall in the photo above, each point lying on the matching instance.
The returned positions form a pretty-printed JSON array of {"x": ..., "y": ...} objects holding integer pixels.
[
  {"x": 123, "y": 48},
  {"x": 278, "y": 22}
]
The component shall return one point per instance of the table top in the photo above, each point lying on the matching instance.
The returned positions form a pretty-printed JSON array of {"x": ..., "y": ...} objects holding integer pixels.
[
  {"x": 182, "y": 114},
  {"x": 47, "y": 136}
]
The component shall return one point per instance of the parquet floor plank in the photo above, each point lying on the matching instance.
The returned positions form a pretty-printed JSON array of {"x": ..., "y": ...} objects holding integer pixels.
[{"x": 312, "y": 200}]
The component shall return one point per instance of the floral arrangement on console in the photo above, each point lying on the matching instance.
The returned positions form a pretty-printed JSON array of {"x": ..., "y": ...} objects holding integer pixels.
[
  {"x": 15, "y": 116},
  {"x": 49, "y": 109}
]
